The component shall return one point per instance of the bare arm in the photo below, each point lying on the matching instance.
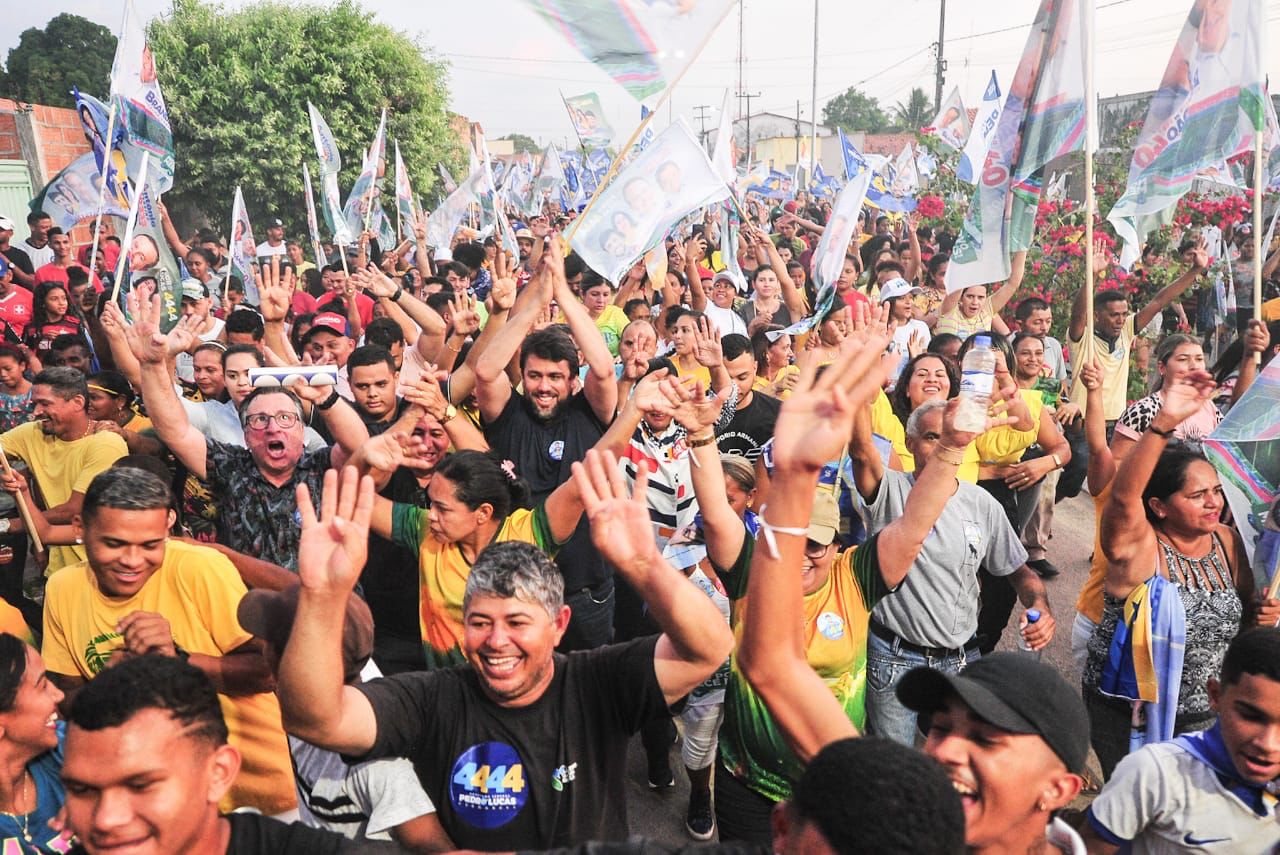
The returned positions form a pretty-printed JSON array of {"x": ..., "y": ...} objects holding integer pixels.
[
  {"x": 601, "y": 385},
  {"x": 791, "y": 295},
  {"x": 462, "y": 381},
  {"x": 1174, "y": 289},
  {"x": 695, "y": 638},
  {"x": 171, "y": 233},
  {"x": 1256, "y": 340},
  {"x": 1102, "y": 464},
  {"x": 694, "y": 249},
  {"x": 314, "y": 703},
  {"x": 493, "y": 389},
  {"x": 868, "y": 468}
]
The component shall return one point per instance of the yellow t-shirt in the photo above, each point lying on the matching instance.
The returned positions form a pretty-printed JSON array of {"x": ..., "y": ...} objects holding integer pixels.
[
  {"x": 957, "y": 324},
  {"x": 885, "y": 423},
  {"x": 762, "y": 383},
  {"x": 1115, "y": 371},
  {"x": 1006, "y": 445},
  {"x": 197, "y": 590},
  {"x": 702, "y": 372},
  {"x": 62, "y": 468},
  {"x": 611, "y": 323},
  {"x": 443, "y": 572}
]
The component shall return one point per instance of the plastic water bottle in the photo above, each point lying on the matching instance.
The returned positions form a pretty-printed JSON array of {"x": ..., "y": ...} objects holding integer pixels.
[
  {"x": 976, "y": 381},
  {"x": 1029, "y": 617}
]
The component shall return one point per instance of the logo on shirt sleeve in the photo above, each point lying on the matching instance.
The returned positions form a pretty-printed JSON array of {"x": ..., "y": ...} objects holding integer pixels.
[{"x": 487, "y": 788}]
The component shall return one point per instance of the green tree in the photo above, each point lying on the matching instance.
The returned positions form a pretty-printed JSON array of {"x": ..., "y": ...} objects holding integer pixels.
[
  {"x": 522, "y": 143},
  {"x": 69, "y": 51},
  {"x": 237, "y": 85},
  {"x": 855, "y": 111},
  {"x": 915, "y": 112}
]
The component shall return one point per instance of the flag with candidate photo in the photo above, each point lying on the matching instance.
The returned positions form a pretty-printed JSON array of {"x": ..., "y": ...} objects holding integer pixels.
[
  {"x": 725, "y": 154},
  {"x": 982, "y": 133},
  {"x": 1043, "y": 118},
  {"x": 1208, "y": 108},
  {"x": 951, "y": 125},
  {"x": 109, "y": 155},
  {"x": 587, "y": 116},
  {"x": 667, "y": 181},
  {"x": 828, "y": 257},
  {"x": 243, "y": 249},
  {"x": 643, "y": 45},
  {"x": 313, "y": 225},
  {"x": 404, "y": 198},
  {"x": 358, "y": 211},
  {"x": 72, "y": 195},
  {"x": 152, "y": 262},
  {"x": 140, "y": 103}
]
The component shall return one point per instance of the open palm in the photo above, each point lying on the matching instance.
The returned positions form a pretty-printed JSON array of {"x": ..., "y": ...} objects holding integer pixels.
[{"x": 334, "y": 545}]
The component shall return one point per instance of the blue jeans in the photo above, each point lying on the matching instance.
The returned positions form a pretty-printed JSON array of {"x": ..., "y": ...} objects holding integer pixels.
[{"x": 887, "y": 662}]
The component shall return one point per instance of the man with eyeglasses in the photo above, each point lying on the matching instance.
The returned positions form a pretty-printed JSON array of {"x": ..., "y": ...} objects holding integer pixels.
[{"x": 255, "y": 484}]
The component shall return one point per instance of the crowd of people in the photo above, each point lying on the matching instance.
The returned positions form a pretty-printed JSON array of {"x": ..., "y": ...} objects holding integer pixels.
[{"x": 425, "y": 602}]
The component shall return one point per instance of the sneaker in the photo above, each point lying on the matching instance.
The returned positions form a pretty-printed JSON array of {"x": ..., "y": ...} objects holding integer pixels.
[
  {"x": 700, "y": 822},
  {"x": 1043, "y": 568},
  {"x": 660, "y": 777}
]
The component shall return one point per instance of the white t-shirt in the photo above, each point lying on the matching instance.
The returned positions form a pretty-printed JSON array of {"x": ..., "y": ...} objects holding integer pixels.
[
  {"x": 726, "y": 320},
  {"x": 900, "y": 346},
  {"x": 39, "y": 257},
  {"x": 266, "y": 249}
]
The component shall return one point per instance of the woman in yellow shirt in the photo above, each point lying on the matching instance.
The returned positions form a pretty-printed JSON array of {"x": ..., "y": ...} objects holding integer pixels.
[
  {"x": 111, "y": 408},
  {"x": 775, "y": 375},
  {"x": 925, "y": 377}
]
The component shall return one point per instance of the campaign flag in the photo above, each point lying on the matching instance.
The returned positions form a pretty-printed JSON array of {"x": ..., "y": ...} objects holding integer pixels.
[
  {"x": 152, "y": 262},
  {"x": 1043, "y": 118},
  {"x": 550, "y": 175},
  {"x": 313, "y": 224},
  {"x": 822, "y": 184},
  {"x": 131, "y": 221},
  {"x": 725, "y": 155},
  {"x": 982, "y": 133},
  {"x": 926, "y": 163},
  {"x": 906, "y": 179},
  {"x": 72, "y": 195},
  {"x": 828, "y": 257},
  {"x": 952, "y": 122},
  {"x": 644, "y": 46},
  {"x": 775, "y": 185},
  {"x": 646, "y": 136},
  {"x": 326, "y": 146},
  {"x": 853, "y": 159},
  {"x": 243, "y": 250},
  {"x": 364, "y": 194},
  {"x": 667, "y": 181},
  {"x": 404, "y": 197},
  {"x": 1207, "y": 108},
  {"x": 140, "y": 104},
  {"x": 728, "y": 246},
  {"x": 587, "y": 116},
  {"x": 444, "y": 221},
  {"x": 447, "y": 180},
  {"x": 1245, "y": 449},
  {"x": 94, "y": 119}
]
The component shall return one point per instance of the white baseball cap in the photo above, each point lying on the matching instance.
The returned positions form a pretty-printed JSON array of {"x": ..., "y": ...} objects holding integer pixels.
[
  {"x": 6, "y": 224},
  {"x": 896, "y": 287}
]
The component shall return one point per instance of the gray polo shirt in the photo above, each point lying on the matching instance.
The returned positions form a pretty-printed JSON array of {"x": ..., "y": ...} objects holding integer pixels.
[{"x": 937, "y": 604}]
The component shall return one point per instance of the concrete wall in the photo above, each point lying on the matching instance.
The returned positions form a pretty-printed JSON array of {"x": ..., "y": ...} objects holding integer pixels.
[{"x": 46, "y": 139}]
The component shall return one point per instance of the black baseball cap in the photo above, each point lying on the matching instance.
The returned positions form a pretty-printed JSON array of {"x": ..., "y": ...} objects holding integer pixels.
[{"x": 1013, "y": 692}]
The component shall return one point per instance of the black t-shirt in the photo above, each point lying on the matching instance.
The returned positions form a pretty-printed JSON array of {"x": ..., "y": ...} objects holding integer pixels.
[
  {"x": 254, "y": 834},
  {"x": 389, "y": 580},
  {"x": 19, "y": 259},
  {"x": 646, "y": 846},
  {"x": 549, "y": 774},
  {"x": 750, "y": 428},
  {"x": 377, "y": 428},
  {"x": 543, "y": 452}
]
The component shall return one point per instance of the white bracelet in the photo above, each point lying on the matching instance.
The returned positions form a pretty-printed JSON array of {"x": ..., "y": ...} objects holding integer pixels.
[{"x": 770, "y": 541}]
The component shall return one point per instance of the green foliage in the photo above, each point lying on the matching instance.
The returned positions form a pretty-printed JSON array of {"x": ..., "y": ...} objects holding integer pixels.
[
  {"x": 915, "y": 112},
  {"x": 69, "y": 51},
  {"x": 237, "y": 85},
  {"x": 523, "y": 143},
  {"x": 854, "y": 111}
]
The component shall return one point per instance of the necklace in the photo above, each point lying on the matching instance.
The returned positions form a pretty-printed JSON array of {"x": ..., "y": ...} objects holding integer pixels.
[{"x": 23, "y": 817}]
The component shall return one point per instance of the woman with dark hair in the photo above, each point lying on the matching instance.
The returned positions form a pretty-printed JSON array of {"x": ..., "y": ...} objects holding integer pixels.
[
  {"x": 52, "y": 314},
  {"x": 925, "y": 377},
  {"x": 111, "y": 406},
  {"x": 31, "y": 790},
  {"x": 1163, "y": 518},
  {"x": 775, "y": 374},
  {"x": 933, "y": 290},
  {"x": 475, "y": 500}
]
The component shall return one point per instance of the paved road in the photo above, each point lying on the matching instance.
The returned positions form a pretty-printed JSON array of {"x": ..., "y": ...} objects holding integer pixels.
[{"x": 661, "y": 815}]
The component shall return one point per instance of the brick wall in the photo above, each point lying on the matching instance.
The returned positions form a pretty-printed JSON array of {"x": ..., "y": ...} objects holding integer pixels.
[{"x": 46, "y": 138}]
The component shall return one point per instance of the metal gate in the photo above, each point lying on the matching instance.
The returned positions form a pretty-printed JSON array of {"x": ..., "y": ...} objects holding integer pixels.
[{"x": 15, "y": 193}]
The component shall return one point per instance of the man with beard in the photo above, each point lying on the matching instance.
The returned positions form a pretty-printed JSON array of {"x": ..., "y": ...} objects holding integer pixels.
[
  {"x": 61, "y": 451},
  {"x": 548, "y": 427}
]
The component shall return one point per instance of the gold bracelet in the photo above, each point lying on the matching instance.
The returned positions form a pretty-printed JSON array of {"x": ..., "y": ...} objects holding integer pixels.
[
  {"x": 701, "y": 441},
  {"x": 948, "y": 455},
  {"x": 942, "y": 446},
  {"x": 457, "y": 349}
]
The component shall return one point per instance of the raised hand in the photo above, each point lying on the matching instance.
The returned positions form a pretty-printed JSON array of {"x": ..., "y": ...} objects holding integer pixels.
[
  {"x": 647, "y": 396},
  {"x": 388, "y": 451},
  {"x": 690, "y": 405},
  {"x": 275, "y": 291},
  {"x": 815, "y": 423},
  {"x": 466, "y": 320},
  {"x": 146, "y": 342},
  {"x": 503, "y": 294},
  {"x": 427, "y": 394},
  {"x": 706, "y": 344},
  {"x": 1257, "y": 339},
  {"x": 1200, "y": 254},
  {"x": 620, "y": 525},
  {"x": 1183, "y": 399},
  {"x": 334, "y": 545}
]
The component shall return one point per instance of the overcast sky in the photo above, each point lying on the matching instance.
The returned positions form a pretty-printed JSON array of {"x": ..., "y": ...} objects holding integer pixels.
[{"x": 507, "y": 67}]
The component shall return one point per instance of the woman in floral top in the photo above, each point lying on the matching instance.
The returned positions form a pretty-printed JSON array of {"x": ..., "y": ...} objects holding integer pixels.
[{"x": 15, "y": 389}]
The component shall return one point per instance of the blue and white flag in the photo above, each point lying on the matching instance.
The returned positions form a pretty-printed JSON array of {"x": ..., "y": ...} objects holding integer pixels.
[
  {"x": 853, "y": 159},
  {"x": 982, "y": 133}
]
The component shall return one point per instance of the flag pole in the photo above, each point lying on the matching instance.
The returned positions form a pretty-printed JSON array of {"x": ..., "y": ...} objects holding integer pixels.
[
  {"x": 1257, "y": 225},
  {"x": 1090, "y": 202},
  {"x": 102, "y": 189},
  {"x": 139, "y": 189}
]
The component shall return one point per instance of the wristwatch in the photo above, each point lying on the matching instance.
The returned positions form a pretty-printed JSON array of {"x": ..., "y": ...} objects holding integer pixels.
[
  {"x": 395, "y": 298},
  {"x": 449, "y": 412}
]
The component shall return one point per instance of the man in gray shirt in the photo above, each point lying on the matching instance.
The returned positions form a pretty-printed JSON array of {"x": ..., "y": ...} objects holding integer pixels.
[{"x": 931, "y": 619}]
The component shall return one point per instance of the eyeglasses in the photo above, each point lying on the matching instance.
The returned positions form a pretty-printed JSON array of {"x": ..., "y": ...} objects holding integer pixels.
[
  {"x": 813, "y": 549},
  {"x": 258, "y": 421}
]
